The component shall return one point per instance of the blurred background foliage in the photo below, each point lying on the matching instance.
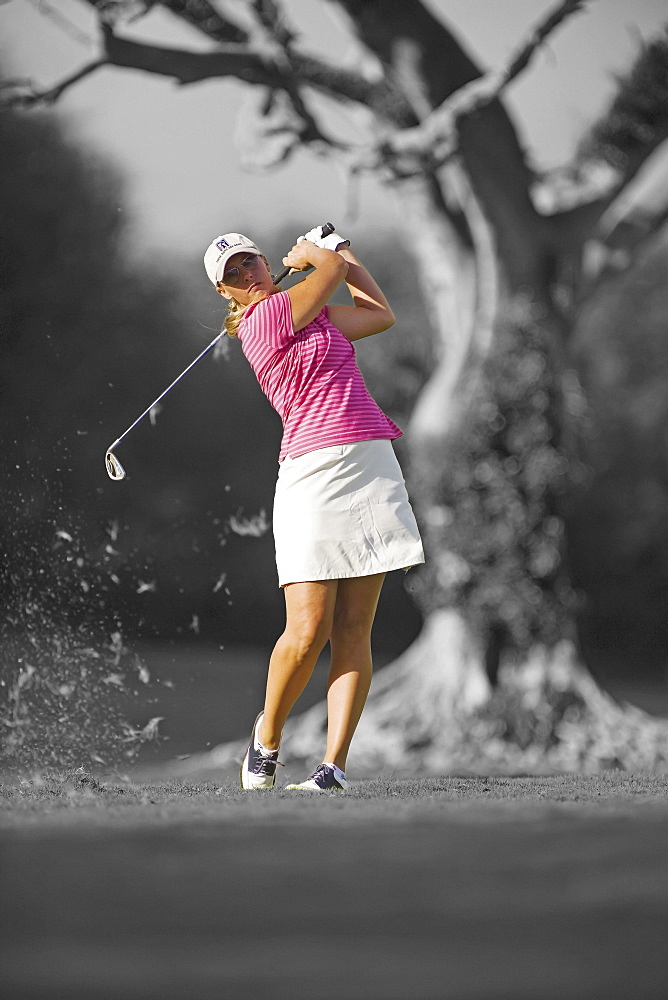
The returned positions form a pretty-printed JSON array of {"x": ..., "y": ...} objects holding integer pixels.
[{"x": 90, "y": 335}]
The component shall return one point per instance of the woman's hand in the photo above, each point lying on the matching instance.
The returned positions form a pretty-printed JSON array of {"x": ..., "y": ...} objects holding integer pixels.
[{"x": 299, "y": 258}]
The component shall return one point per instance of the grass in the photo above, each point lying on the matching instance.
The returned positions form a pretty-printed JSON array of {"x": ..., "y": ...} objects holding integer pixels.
[
  {"x": 78, "y": 796},
  {"x": 442, "y": 888}
]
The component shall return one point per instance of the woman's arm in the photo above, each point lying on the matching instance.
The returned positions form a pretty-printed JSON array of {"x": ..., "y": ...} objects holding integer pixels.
[
  {"x": 309, "y": 296},
  {"x": 371, "y": 312}
]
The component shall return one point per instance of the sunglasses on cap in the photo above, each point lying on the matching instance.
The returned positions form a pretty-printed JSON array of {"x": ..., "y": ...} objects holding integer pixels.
[{"x": 232, "y": 275}]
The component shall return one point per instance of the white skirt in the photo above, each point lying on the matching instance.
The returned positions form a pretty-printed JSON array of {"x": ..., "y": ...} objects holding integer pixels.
[{"x": 343, "y": 512}]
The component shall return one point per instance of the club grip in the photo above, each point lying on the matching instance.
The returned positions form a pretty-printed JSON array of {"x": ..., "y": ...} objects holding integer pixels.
[{"x": 325, "y": 230}]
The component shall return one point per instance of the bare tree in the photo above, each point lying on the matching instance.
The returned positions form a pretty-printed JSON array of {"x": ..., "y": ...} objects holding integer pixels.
[{"x": 507, "y": 261}]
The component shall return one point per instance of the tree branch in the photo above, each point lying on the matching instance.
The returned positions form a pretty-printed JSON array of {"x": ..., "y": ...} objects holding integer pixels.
[
  {"x": 236, "y": 56},
  {"x": 240, "y": 61},
  {"x": 526, "y": 52},
  {"x": 29, "y": 96},
  {"x": 436, "y": 136},
  {"x": 190, "y": 67},
  {"x": 467, "y": 118},
  {"x": 266, "y": 59}
]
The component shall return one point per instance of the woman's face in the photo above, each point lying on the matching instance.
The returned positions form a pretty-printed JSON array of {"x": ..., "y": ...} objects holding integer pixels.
[{"x": 246, "y": 278}]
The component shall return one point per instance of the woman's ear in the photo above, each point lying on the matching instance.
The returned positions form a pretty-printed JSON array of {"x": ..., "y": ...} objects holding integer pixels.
[{"x": 220, "y": 288}]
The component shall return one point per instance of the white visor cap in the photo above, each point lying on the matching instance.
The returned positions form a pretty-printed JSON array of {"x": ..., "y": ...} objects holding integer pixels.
[{"x": 220, "y": 251}]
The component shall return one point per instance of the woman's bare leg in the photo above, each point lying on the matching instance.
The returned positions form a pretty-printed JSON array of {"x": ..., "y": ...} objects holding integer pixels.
[
  {"x": 351, "y": 666},
  {"x": 309, "y": 613}
]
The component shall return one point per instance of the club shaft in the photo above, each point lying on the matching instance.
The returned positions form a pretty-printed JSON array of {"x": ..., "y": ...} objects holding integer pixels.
[{"x": 164, "y": 393}]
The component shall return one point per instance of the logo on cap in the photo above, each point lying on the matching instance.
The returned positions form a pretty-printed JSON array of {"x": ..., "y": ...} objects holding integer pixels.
[{"x": 224, "y": 245}]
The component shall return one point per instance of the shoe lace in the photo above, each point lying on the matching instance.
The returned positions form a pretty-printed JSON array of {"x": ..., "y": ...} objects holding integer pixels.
[
  {"x": 322, "y": 771},
  {"x": 264, "y": 762}
]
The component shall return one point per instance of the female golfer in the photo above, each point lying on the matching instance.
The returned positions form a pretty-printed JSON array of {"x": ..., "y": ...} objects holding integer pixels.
[{"x": 342, "y": 518}]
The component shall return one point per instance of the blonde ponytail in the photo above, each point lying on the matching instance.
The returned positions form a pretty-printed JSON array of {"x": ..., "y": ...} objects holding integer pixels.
[{"x": 235, "y": 314}]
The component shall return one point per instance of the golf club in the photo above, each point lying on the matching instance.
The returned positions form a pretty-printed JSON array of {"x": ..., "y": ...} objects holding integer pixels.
[{"x": 114, "y": 468}]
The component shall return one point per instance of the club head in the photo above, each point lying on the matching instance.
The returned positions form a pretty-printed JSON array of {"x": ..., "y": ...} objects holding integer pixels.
[{"x": 114, "y": 468}]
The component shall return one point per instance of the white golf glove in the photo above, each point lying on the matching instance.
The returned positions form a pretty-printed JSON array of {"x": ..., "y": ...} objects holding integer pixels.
[{"x": 331, "y": 242}]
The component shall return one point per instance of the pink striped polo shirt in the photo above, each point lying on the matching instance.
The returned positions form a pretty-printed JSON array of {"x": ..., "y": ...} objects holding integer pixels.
[{"x": 311, "y": 379}]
